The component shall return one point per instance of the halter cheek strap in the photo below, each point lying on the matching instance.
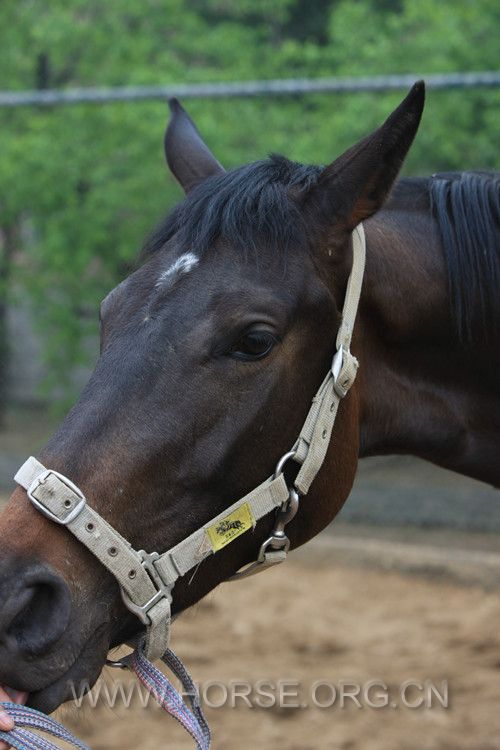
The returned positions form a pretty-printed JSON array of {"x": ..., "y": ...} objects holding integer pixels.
[{"x": 146, "y": 579}]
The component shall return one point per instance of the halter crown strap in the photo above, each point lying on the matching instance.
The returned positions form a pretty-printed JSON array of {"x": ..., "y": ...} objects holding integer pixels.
[
  {"x": 314, "y": 439},
  {"x": 146, "y": 580}
]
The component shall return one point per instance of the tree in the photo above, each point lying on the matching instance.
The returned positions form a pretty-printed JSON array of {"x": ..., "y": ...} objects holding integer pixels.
[{"x": 81, "y": 186}]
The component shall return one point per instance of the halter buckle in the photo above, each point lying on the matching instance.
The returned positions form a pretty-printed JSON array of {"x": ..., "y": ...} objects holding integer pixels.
[
  {"x": 337, "y": 362},
  {"x": 341, "y": 359},
  {"x": 164, "y": 590},
  {"x": 38, "y": 504}
]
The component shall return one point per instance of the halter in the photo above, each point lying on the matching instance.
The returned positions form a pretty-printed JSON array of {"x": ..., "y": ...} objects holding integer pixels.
[{"x": 146, "y": 580}]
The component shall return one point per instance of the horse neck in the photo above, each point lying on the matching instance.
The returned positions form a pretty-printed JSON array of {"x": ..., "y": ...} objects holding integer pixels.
[{"x": 421, "y": 391}]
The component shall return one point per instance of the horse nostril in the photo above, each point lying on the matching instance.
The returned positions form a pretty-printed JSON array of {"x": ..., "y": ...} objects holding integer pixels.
[{"x": 37, "y": 614}]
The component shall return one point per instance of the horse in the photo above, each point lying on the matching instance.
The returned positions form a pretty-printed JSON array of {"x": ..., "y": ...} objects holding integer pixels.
[{"x": 211, "y": 350}]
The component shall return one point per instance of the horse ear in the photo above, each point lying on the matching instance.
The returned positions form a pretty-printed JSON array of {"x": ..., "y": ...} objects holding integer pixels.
[
  {"x": 189, "y": 158},
  {"x": 355, "y": 185}
]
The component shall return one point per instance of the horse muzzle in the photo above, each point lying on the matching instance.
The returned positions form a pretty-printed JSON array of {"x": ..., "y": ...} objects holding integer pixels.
[
  {"x": 35, "y": 607},
  {"x": 51, "y": 630}
]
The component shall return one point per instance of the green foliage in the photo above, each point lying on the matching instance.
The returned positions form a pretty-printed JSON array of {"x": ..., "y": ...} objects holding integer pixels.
[{"x": 83, "y": 185}]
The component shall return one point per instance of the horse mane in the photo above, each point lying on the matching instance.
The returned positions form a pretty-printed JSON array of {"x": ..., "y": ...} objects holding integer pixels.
[
  {"x": 249, "y": 207},
  {"x": 466, "y": 208}
]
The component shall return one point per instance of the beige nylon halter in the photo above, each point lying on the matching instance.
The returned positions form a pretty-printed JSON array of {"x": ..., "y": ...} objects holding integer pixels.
[{"x": 146, "y": 580}]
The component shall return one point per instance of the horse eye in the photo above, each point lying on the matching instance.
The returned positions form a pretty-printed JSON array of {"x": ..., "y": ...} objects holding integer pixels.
[{"x": 254, "y": 345}]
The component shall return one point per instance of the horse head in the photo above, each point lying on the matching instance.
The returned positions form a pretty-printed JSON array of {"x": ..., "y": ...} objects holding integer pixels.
[{"x": 211, "y": 351}]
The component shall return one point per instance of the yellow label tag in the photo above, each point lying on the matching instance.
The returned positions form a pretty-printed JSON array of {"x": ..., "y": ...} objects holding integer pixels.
[{"x": 230, "y": 527}]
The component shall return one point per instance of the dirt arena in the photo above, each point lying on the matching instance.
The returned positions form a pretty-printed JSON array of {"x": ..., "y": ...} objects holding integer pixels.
[{"x": 315, "y": 620}]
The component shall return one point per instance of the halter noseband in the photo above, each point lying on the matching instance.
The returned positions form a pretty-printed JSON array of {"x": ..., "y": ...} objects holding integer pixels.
[{"x": 146, "y": 579}]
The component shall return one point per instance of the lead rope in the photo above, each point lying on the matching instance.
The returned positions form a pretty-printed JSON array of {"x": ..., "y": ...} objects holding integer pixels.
[
  {"x": 192, "y": 719},
  {"x": 22, "y": 738},
  {"x": 155, "y": 682}
]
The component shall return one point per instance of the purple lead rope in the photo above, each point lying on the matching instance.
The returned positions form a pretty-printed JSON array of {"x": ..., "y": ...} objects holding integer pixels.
[
  {"x": 192, "y": 719},
  {"x": 27, "y": 719}
]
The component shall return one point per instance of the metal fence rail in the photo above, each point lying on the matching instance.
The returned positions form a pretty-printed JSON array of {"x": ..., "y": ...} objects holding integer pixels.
[{"x": 284, "y": 87}]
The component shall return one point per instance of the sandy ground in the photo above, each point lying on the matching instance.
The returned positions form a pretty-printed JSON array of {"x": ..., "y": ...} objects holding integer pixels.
[{"x": 315, "y": 620}]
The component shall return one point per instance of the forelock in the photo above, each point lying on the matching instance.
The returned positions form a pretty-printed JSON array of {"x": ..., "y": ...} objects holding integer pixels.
[{"x": 252, "y": 208}]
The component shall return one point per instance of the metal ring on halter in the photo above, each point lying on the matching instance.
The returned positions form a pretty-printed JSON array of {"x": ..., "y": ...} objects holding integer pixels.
[
  {"x": 288, "y": 510},
  {"x": 281, "y": 463},
  {"x": 123, "y": 663},
  {"x": 116, "y": 664},
  {"x": 291, "y": 505},
  {"x": 278, "y": 541}
]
